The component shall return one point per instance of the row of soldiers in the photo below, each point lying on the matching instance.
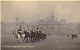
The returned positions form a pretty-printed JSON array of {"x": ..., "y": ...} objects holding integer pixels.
[{"x": 35, "y": 35}]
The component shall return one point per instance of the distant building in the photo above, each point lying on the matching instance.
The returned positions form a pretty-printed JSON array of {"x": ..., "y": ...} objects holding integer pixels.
[
  {"x": 62, "y": 26},
  {"x": 52, "y": 26},
  {"x": 71, "y": 28},
  {"x": 78, "y": 28}
]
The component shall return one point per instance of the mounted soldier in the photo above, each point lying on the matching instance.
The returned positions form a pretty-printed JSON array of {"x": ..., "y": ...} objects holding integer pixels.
[
  {"x": 19, "y": 35},
  {"x": 19, "y": 31},
  {"x": 32, "y": 34},
  {"x": 26, "y": 32},
  {"x": 43, "y": 35},
  {"x": 37, "y": 34}
]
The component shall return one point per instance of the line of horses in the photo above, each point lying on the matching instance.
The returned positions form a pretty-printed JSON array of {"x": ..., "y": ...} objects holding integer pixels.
[{"x": 32, "y": 36}]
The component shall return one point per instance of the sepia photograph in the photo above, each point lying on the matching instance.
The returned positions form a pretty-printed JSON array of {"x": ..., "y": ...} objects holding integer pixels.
[{"x": 40, "y": 25}]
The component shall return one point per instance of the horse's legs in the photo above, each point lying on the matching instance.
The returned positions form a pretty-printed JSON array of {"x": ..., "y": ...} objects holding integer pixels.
[
  {"x": 31, "y": 39},
  {"x": 27, "y": 39},
  {"x": 23, "y": 40},
  {"x": 36, "y": 39},
  {"x": 17, "y": 40}
]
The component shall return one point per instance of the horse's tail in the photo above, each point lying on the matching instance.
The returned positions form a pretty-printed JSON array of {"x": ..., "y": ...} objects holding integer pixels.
[{"x": 13, "y": 33}]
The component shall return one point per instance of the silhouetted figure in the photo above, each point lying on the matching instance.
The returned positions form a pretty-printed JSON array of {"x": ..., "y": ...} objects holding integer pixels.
[{"x": 74, "y": 35}]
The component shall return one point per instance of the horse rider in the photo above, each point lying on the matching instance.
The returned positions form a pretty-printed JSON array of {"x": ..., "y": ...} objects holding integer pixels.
[
  {"x": 26, "y": 32},
  {"x": 27, "y": 29},
  {"x": 38, "y": 34},
  {"x": 32, "y": 34},
  {"x": 19, "y": 31}
]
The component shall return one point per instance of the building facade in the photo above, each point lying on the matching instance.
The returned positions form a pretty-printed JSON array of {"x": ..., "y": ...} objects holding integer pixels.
[{"x": 52, "y": 26}]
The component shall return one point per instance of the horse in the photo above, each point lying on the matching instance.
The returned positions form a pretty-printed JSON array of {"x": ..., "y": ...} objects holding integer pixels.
[
  {"x": 44, "y": 36},
  {"x": 32, "y": 36},
  {"x": 27, "y": 36},
  {"x": 18, "y": 37},
  {"x": 36, "y": 36}
]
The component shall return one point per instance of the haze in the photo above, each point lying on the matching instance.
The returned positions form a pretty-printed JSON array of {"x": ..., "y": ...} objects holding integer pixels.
[{"x": 31, "y": 12}]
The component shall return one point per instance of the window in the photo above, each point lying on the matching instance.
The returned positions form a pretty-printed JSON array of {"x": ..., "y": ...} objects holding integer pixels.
[
  {"x": 62, "y": 28},
  {"x": 52, "y": 27}
]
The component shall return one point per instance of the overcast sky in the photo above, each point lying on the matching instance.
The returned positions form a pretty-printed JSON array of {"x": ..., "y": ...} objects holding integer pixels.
[{"x": 34, "y": 11}]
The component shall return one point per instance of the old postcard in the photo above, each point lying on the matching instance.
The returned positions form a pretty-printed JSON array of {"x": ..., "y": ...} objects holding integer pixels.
[{"x": 40, "y": 25}]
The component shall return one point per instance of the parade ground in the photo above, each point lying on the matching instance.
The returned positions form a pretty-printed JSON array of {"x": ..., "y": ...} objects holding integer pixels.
[{"x": 52, "y": 42}]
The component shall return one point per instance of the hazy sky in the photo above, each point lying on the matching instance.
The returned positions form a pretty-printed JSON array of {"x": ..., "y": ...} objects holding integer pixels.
[{"x": 35, "y": 11}]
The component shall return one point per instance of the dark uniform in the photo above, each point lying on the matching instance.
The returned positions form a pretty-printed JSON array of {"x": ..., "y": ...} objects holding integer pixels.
[
  {"x": 74, "y": 35},
  {"x": 32, "y": 34},
  {"x": 43, "y": 36},
  {"x": 19, "y": 31},
  {"x": 37, "y": 34},
  {"x": 26, "y": 32}
]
